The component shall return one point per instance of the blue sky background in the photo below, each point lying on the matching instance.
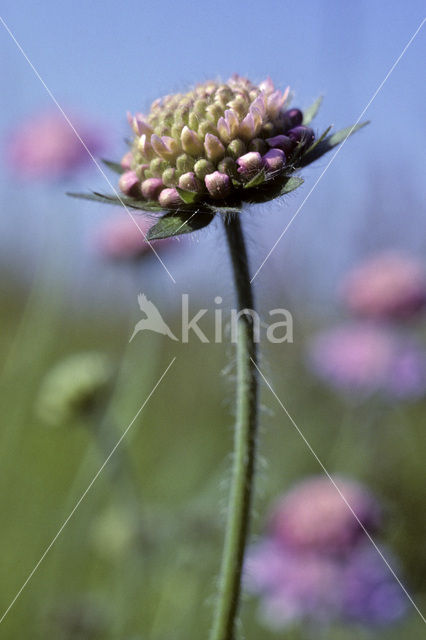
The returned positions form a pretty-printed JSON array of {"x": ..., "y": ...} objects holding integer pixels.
[{"x": 102, "y": 58}]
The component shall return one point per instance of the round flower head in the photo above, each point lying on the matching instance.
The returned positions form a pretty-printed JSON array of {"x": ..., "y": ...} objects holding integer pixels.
[
  {"x": 213, "y": 148},
  {"x": 388, "y": 286},
  {"x": 122, "y": 239},
  {"x": 74, "y": 387},
  {"x": 47, "y": 147},
  {"x": 363, "y": 359},
  {"x": 320, "y": 589},
  {"x": 314, "y": 517}
]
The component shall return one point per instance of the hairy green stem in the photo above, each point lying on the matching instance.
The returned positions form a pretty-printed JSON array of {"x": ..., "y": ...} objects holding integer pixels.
[{"x": 241, "y": 491}]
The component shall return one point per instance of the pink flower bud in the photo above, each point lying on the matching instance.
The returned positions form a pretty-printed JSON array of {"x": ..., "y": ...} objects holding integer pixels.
[
  {"x": 129, "y": 184},
  {"x": 169, "y": 198},
  {"x": 190, "y": 182},
  {"x": 249, "y": 164},
  {"x": 126, "y": 160},
  {"x": 214, "y": 148},
  {"x": 218, "y": 185},
  {"x": 274, "y": 160},
  {"x": 151, "y": 188}
]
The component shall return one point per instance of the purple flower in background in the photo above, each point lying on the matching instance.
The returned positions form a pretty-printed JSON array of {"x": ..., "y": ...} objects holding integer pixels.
[
  {"x": 367, "y": 359},
  {"x": 45, "y": 146},
  {"x": 370, "y": 593},
  {"x": 315, "y": 564},
  {"x": 121, "y": 239},
  {"x": 294, "y": 587},
  {"x": 389, "y": 286},
  {"x": 314, "y": 517}
]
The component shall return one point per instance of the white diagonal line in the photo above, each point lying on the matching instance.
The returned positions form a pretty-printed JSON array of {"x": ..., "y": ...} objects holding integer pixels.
[
  {"x": 299, "y": 431},
  {"x": 379, "y": 88},
  {"x": 96, "y": 163},
  {"x": 80, "y": 500}
]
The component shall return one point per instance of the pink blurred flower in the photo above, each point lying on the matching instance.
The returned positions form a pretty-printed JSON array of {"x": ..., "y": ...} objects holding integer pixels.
[
  {"x": 314, "y": 517},
  {"x": 45, "y": 146},
  {"x": 367, "y": 359},
  {"x": 391, "y": 285},
  {"x": 122, "y": 238}
]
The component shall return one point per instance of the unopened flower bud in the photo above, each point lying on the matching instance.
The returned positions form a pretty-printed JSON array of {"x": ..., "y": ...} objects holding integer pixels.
[
  {"x": 218, "y": 185},
  {"x": 302, "y": 135},
  {"x": 190, "y": 182},
  {"x": 214, "y": 148},
  {"x": 274, "y": 160},
  {"x": 191, "y": 142},
  {"x": 166, "y": 147},
  {"x": 249, "y": 164},
  {"x": 151, "y": 188},
  {"x": 202, "y": 168},
  {"x": 228, "y": 166},
  {"x": 170, "y": 177},
  {"x": 169, "y": 198},
  {"x": 257, "y": 144},
  {"x": 294, "y": 117},
  {"x": 185, "y": 163},
  {"x": 129, "y": 183},
  {"x": 126, "y": 160},
  {"x": 236, "y": 148},
  {"x": 282, "y": 142}
]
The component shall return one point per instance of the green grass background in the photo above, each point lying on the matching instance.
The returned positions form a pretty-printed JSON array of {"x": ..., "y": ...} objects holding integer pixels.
[{"x": 140, "y": 561}]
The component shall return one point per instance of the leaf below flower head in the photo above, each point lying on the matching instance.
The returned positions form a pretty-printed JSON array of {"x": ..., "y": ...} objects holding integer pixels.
[
  {"x": 310, "y": 113},
  {"x": 291, "y": 184},
  {"x": 114, "y": 166},
  {"x": 176, "y": 223},
  {"x": 131, "y": 203},
  {"x": 329, "y": 143}
]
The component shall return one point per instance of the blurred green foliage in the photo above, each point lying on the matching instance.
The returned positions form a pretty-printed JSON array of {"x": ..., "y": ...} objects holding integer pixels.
[{"x": 142, "y": 563}]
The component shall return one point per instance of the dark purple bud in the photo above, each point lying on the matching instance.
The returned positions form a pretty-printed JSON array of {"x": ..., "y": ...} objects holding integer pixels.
[
  {"x": 302, "y": 135},
  {"x": 274, "y": 160},
  {"x": 129, "y": 184},
  {"x": 281, "y": 142},
  {"x": 293, "y": 117}
]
